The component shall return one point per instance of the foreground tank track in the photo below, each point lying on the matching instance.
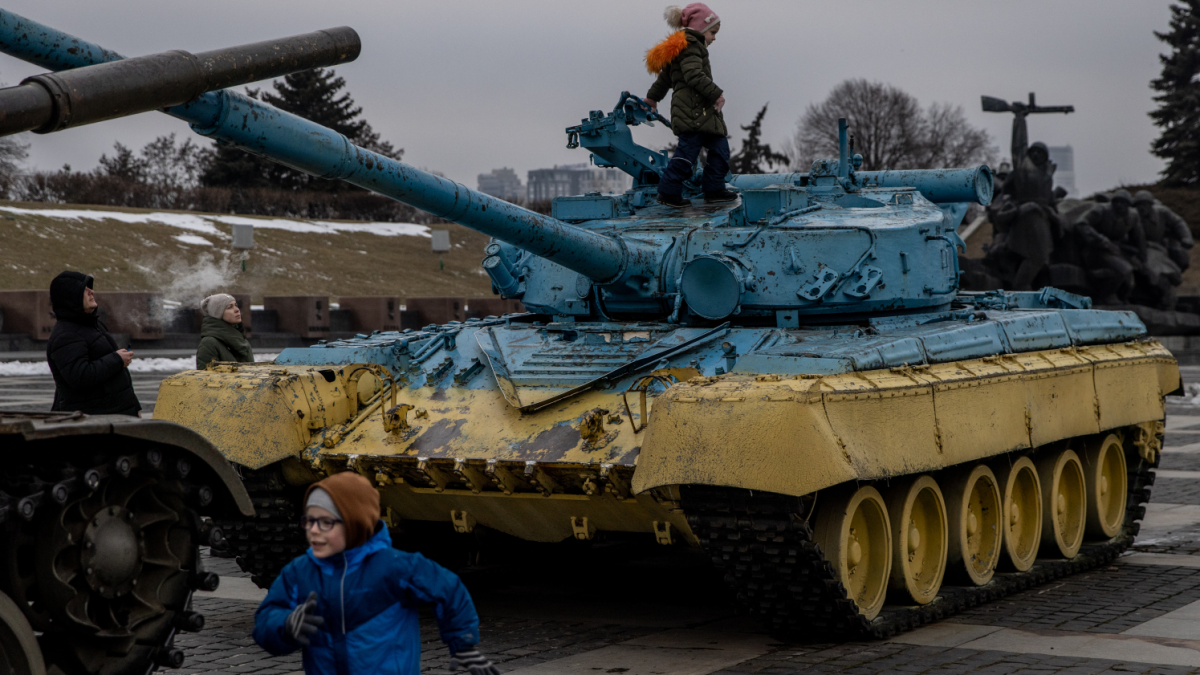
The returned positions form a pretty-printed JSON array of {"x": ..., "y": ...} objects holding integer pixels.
[
  {"x": 263, "y": 546},
  {"x": 53, "y": 515},
  {"x": 770, "y": 558}
]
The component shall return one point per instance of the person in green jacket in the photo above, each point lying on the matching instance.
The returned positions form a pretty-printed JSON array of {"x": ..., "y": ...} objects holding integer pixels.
[
  {"x": 681, "y": 64},
  {"x": 222, "y": 337}
]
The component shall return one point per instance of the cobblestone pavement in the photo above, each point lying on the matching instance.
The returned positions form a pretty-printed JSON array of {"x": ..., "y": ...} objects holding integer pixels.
[{"x": 648, "y": 610}]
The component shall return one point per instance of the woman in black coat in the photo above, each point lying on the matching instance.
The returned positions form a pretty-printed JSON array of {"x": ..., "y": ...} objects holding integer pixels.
[{"x": 90, "y": 374}]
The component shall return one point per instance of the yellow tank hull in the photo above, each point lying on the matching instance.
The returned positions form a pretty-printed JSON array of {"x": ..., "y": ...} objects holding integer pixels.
[{"x": 465, "y": 456}]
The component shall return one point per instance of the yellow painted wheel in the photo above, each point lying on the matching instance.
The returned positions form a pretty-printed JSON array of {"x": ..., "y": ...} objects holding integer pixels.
[
  {"x": 1104, "y": 475},
  {"x": 1021, "y": 515},
  {"x": 918, "y": 515},
  {"x": 852, "y": 529},
  {"x": 1064, "y": 502},
  {"x": 974, "y": 528}
]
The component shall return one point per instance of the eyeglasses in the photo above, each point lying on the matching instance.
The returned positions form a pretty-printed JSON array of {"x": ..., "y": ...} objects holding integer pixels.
[{"x": 323, "y": 523}]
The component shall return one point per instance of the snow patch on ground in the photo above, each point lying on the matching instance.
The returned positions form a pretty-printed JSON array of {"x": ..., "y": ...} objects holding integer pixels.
[
  {"x": 326, "y": 227},
  {"x": 1191, "y": 396},
  {"x": 192, "y": 239},
  {"x": 204, "y": 223},
  {"x": 139, "y": 365},
  {"x": 184, "y": 221}
]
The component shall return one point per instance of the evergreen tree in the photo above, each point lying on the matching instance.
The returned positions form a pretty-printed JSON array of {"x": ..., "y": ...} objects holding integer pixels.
[
  {"x": 754, "y": 155},
  {"x": 315, "y": 95},
  {"x": 1178, "y": 114}
]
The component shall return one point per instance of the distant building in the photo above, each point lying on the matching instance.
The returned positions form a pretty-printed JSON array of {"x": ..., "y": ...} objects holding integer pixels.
[
  {"x": 502, "y": 183},
  {"x": 1064, "y": 176},
  {"x": 574, "y": 179}
]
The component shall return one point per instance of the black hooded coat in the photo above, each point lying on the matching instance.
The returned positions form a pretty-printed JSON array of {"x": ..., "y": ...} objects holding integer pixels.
[{"x": 89, "y": 374}]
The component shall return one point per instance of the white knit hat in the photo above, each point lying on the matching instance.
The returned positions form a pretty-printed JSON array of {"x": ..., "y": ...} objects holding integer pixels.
[
  {"x": 214, "y": 305},
  {"x": 319, "y": 497}
]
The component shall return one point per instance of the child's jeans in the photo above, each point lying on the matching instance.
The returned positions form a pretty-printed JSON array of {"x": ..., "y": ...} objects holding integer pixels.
[{"x": 680, "y": 167}]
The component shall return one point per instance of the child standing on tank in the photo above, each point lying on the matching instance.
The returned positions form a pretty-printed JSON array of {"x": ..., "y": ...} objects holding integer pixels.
[
  {"x": 681, "y": 64},
  {"x": 351, "y": 601}
]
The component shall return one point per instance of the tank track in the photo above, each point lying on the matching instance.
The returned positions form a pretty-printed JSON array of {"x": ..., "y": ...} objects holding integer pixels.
[
  {"x": 263, "y": 546},
  {"x": 68, "y": 648},
  {"x": 770, "y": 559}
]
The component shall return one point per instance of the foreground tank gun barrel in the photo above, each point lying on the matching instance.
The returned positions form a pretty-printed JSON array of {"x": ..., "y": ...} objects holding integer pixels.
[{"x": 57, "y": 101}]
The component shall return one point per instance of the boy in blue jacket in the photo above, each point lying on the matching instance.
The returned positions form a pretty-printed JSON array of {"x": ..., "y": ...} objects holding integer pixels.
[{"x": 351, "y": 601}]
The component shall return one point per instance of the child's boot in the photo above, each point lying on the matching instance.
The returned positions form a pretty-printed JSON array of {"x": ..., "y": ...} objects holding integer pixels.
[{"x": 674, "y": 201}]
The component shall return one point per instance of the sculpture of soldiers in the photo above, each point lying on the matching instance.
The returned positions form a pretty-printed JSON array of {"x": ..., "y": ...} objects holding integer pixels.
[
  {"x": 1025, "y": 221},
  {"x": 1114, "y": 247},
  {"x": 1164, "y": 227},
  {"x": 1033, "y": 223}
]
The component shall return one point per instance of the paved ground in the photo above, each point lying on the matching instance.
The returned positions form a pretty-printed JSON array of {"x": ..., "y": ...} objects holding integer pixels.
[
  {"x": 654, "y": 611},
  {"x": 36, "y": 392}
]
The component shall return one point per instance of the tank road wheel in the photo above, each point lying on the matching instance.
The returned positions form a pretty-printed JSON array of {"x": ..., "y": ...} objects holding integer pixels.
[
  {"x": 19, "y": 653},
  {"x": 107, "y": 575},
  {"x": 1107, "y": 488},
  {"x": 917, "y": 512},
  {"x": 974, "y": 529},
  {"x": 852, "y": 528},
  {"x": 1064, "y": 502},
  {"x": 1022, "y": 511}
]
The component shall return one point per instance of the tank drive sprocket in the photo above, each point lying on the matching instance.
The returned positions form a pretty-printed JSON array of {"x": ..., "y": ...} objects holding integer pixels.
[
  {"x": 107, "y": 574},
  {"x": 101, "y": 523}
]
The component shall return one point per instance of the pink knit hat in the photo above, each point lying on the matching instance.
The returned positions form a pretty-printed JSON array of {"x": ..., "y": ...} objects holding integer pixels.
[{"x": 696, "y": 16}]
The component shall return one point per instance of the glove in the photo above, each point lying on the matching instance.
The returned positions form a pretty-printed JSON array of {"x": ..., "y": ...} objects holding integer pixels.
[
  {"x": 473, "y": 661},
  {"x": 303, "y": 622}
]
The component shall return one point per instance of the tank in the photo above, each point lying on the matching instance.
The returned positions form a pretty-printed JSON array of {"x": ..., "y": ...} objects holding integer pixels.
[
  {"x": 102, "y": 517},
  {"x": 793, "y": 383}
]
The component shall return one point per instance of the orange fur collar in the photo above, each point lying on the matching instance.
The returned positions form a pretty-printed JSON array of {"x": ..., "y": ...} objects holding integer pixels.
[{"x": 662, "y": 54}]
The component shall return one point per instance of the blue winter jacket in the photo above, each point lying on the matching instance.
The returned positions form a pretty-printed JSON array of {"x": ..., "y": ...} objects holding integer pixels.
[{"x": 369, "y": 597}]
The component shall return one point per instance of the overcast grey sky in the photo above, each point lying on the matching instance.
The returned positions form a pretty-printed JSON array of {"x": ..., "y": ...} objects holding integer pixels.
[{"x": 465, "y": 86}]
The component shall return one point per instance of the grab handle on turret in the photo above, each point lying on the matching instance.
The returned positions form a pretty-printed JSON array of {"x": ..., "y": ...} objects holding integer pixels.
[
  {"x": 55, "y": 101},
  {"x": 644, "y": 113}
]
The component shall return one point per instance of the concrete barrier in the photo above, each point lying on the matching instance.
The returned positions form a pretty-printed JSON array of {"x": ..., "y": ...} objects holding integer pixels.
[
  {"x": 424, "y": 311},
  {"x": 139, "y": 315},
  {"x": 307, "y": 315},
  {"x": 480, "y": 308},
  {"x": 27, "y": 312},
  {"x": 371, "y": 312}
]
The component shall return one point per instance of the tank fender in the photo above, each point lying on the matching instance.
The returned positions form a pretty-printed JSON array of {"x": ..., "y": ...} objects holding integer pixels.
[
  {"x": 22, "y": 640},
  {"x": 44, "y": 426},
  {"x": 797, "y": 435}
]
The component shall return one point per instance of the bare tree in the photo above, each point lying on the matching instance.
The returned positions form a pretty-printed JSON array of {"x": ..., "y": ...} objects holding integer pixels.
[
  {"x": 12, "y": 153},
  {"x": 948, "y": 140},
  {"x": 891, "y": 130}
]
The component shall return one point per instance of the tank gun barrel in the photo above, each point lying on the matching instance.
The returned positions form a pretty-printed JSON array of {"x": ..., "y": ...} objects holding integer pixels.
[
  {"x": 56, "y": 101},
  {"x": 261, "y": 129},
  {"x": 940, "y": 186}
]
